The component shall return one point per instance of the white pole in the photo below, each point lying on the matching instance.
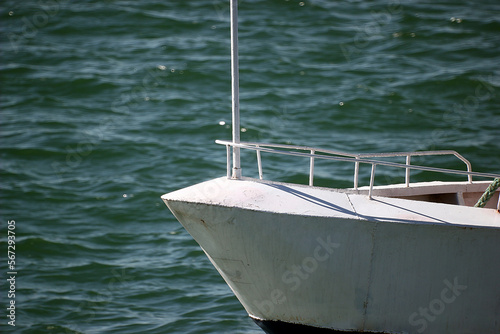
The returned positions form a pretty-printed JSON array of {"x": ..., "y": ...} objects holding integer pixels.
[{"x": 235, "y": 88}]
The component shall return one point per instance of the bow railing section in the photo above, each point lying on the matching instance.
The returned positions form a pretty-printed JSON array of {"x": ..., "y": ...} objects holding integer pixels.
[{"x": 356, "y": 158}]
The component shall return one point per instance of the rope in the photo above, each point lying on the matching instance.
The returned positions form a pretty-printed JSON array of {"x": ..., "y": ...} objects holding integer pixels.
[{"x": 490, "y": 191}]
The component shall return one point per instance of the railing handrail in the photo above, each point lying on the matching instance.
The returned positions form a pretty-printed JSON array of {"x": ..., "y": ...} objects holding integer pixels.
[{"x": 356, "y": 158}]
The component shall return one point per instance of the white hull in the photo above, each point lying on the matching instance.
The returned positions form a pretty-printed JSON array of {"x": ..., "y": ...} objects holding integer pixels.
[{"x": 339, "y": 260}]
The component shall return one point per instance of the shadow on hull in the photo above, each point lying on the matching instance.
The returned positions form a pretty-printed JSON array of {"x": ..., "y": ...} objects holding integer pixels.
[{"x": 280, "y": 327}]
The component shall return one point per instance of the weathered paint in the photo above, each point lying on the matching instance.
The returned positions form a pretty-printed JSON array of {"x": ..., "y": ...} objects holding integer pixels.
[{"x": 338, "y": 260}]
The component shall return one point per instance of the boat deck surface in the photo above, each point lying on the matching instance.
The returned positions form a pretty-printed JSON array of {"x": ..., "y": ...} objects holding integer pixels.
[{"x": 395, "y": 203}]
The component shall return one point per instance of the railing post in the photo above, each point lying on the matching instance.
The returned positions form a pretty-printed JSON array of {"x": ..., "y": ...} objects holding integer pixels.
[
  {"x": 372, "y": 180},
  {"x": 228, "y": 162},
  {"x": 259, "y": 162},
  {"x": 407, "y": 176},
  {"x": 356, "y": 173},
  {"x": 469, "y": 169},
  {"x": 311, "y": 169}
]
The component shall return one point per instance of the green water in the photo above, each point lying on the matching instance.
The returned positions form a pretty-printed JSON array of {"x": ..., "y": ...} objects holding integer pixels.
[{"x": 106, "y": 105}]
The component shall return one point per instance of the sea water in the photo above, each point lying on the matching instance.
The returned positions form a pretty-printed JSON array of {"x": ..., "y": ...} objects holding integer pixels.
[{"x": 106, "y": 105}]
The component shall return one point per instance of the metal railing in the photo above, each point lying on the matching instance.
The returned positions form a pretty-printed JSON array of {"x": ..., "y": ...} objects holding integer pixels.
[{"x": 356, "y": 158}]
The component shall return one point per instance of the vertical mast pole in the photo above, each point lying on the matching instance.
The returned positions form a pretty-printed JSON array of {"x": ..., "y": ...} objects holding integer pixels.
[{"x": 235, "y": 88}]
